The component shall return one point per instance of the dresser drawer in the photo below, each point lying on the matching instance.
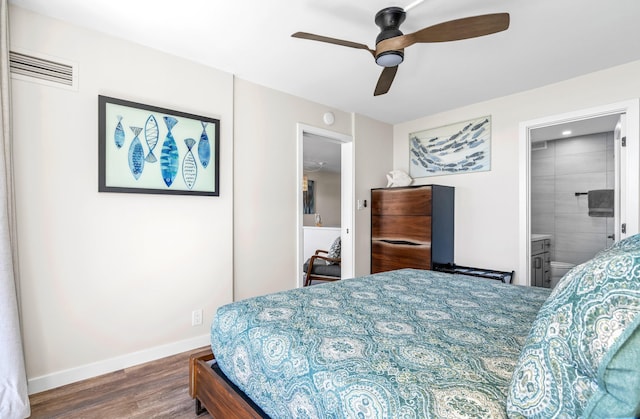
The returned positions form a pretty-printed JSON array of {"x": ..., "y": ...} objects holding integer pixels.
[
  {"x": 401, "y": 201},
  {"x": 415, "y": 229},
  {"x": 387, "y": 256}
]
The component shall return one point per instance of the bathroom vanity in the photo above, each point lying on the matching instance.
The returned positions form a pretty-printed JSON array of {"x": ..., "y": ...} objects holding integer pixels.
[{"x": 541, "y": 260}]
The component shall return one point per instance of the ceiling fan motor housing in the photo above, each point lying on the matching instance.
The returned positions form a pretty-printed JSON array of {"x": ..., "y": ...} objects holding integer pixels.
[{"x": 389, "y": 20}]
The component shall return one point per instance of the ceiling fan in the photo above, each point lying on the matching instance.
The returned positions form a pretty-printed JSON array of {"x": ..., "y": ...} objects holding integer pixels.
[{"x": 391, "y": 42}]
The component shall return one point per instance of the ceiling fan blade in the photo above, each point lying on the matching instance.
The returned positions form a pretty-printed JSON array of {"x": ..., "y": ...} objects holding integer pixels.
[
  {"x": 465, "y": 28},
  {"x": 453, "y": 30},
  {"x": 314, "y": 37},
  {"x": 385, "y": 80}
]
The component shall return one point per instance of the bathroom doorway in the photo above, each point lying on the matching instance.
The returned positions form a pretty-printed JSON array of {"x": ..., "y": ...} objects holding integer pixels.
[{"x": 571, "y": 161}]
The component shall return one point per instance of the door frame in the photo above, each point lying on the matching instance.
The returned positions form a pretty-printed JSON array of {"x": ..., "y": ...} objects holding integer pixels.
[
  {"x": 346, "y": 202},
  {"x": 631, "y": 161}
]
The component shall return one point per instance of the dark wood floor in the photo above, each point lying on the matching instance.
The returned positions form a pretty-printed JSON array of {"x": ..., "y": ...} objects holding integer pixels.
[{"x": 158, "y": 389}]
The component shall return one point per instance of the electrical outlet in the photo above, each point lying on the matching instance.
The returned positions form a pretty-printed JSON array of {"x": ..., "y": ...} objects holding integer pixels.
[{"x": 196, "y": 317}]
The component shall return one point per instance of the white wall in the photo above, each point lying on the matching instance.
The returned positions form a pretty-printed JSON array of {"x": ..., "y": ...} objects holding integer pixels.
[
  {"x": 265, "y": 185},
  {"x": 318, "y": 238},
  {"x": 487, "y": 217},
  {"x": 373, "y": 160},
  {"x": 111, "y": 279},
  {"x": 327, "y": 190}
]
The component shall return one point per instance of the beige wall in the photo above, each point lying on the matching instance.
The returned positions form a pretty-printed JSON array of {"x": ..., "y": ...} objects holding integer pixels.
[
  {"x": 265, "y": 185},
  {"x": 327, "y": 190},
  {"x": 487, "y": 214},
  {"x": 373, "y": 160},
  {"x": 108, "y": 278}
]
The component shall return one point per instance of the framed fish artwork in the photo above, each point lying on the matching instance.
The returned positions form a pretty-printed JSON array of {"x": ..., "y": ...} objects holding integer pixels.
[
  {"x": 148, "y": 149},
  {"x": 464, "y": 147}
]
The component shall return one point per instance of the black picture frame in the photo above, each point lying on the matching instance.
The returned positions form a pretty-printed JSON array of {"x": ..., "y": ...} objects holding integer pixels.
[{"x": 153, "y": 150}]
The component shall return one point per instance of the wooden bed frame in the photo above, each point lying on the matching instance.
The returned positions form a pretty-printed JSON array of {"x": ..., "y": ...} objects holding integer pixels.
[{"x": 213, "y": 393}]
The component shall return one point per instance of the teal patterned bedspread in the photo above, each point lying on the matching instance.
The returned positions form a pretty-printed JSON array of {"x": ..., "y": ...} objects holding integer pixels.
[{"x": 400, "y": 344}]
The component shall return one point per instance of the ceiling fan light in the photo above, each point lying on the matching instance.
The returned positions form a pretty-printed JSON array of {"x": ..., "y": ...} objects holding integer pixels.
[{"x": 390, "y": 58}]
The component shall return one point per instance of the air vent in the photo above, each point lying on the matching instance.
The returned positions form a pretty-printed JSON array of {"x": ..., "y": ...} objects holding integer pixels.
[
  {"x": 540, "y": 145},
  {"x": 42, "y": 70}
]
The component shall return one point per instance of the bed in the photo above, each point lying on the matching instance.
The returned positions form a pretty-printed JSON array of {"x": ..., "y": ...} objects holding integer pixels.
[{"x": 414, "y": 344}]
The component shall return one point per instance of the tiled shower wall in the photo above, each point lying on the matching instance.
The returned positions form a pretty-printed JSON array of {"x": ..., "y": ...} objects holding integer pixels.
[{"x": 567, "y": 166}]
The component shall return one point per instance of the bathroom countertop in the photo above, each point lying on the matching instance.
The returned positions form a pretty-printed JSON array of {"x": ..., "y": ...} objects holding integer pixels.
[{"x": 535, "y": 237}]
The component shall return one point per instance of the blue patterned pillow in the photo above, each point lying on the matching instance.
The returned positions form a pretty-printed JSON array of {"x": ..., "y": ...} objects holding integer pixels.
[
  {"x": 582, "y": 356},
  {"x": 334, "y": 251}
]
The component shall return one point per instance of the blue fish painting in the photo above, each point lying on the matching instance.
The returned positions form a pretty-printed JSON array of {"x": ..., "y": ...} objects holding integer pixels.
[
  {"x": 169, "y": 156},
  {"x": 462, "y": 147},
  {"x": 475, "y": 127},
  {"x": 136, "y": 154},
  {"x": 151, "y": 136},
  {"x": 204, "y": 148},
  {"x": 118, "y": 135},
  {"x": 476, "y": 143},
  {"x": 478, "y": 133},
  {"x": 189, "y": 166}
]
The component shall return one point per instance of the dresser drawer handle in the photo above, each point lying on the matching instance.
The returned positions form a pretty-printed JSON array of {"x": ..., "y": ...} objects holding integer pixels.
[{"x": 400, "y": 242}]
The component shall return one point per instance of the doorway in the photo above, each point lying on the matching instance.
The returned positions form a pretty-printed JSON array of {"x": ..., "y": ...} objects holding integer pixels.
[
  {"x": 332, "y": 153},
  {"x": 534, "y": 137}
]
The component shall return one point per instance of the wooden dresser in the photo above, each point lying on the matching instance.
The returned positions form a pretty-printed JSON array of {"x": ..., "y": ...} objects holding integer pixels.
[{"x": 411, "y": 227}]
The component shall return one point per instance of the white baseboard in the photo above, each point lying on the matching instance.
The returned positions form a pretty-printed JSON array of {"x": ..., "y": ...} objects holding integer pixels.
[{"x": 60, "y": 378}]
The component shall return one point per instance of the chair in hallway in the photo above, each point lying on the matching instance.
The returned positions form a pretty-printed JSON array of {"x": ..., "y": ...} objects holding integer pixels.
[{"x": 323, "y": 266}]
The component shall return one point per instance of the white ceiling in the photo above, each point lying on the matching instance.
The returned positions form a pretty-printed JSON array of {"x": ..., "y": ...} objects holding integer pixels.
[
  {"x": 548, "y": 41},
  {"x": 578, "y": 128},
  {"x": 320, "y": 154}
]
